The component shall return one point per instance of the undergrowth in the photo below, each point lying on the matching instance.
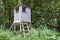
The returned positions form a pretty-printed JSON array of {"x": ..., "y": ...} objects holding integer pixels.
[{"x": 35, "y": 34}]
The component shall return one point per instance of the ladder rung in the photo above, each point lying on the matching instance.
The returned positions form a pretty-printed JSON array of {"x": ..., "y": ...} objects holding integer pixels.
[{"x": 25, "y": 30}]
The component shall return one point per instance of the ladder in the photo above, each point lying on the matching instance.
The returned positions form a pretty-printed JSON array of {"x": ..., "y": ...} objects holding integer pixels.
[{"x": 24, "y": 27}]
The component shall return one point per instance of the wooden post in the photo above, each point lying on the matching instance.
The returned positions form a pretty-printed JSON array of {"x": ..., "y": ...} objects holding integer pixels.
[
  {"x": 23, "y": 26},
  {"x": 28, "y": 27},
  {"x": 11, "y": 26},
  {"x": 20, "y": 27},
  {"x": 14, "y": 28}
]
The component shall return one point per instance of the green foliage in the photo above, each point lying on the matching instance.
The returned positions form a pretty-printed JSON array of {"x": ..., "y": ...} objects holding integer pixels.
[
  {"x": 43, "y": 12},
  {"x": 35, "y": 34},
  {"x": 4, "y": 35}
]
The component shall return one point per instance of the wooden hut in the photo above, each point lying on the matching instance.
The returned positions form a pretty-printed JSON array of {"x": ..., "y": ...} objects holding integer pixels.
[{"x": 22, "y": 16}]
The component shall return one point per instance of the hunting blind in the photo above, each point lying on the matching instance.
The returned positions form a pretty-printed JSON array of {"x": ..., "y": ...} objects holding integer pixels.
[{"x": 22, "y": 16}]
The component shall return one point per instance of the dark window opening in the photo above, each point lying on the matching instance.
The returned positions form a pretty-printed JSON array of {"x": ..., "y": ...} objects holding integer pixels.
[
  {"x": 23, "y": 9},
  {"x": 17, "y": 10}
]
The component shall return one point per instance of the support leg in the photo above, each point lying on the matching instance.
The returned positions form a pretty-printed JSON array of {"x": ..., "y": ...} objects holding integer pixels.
[
  {"x": 14, "y": 28},
  {"x": 28, "y": 28},
  {"x": 20, "y": 27},
  {"x": 23, "y": 26},
  {"x": 11, "y": 26}
]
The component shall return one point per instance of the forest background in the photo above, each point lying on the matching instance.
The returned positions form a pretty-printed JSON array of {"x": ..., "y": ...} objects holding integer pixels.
[{"x": 45, "y": 15}]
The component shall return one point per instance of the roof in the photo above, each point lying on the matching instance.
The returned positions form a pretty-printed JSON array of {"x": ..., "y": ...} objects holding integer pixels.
[{"x": 21, "y": 5}]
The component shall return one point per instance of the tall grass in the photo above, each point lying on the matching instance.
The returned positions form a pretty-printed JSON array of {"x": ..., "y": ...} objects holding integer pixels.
[{"x": 34, "y": 34}]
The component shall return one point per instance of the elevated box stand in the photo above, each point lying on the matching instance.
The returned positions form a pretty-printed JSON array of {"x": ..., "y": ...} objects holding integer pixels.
[{"x": 22, "y": 16}]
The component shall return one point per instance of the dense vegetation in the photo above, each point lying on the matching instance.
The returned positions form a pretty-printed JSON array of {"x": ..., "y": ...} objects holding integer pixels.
[
  {"x": 35, "y": 34},
  {"x": 45, "y": 20}
]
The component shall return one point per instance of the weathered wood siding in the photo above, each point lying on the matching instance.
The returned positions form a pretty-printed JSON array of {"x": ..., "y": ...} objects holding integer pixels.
[
  {"x": 26, "y": 16},
  {"x": 16, "y": 17},
  {"x": 22, "y": 16}
]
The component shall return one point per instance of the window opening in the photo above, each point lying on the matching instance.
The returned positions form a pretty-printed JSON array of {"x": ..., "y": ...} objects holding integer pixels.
[
  {"x": 17, "y": 10},
  {"x": 23, "y": 9}
]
